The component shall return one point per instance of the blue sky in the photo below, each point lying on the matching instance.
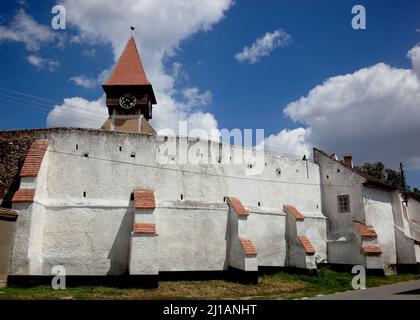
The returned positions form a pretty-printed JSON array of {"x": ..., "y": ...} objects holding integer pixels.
[{"x": 243, "y": 95}]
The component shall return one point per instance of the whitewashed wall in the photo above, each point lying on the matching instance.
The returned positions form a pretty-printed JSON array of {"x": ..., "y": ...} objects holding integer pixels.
[{"x": 90, "y": 235}]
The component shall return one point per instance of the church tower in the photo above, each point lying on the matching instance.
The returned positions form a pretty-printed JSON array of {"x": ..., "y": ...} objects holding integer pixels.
[{"x": 129, "y": 94}]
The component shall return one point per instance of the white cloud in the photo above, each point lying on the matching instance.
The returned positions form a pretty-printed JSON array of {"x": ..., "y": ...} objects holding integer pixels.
[
  {"x": 83, "y": 81},
  {"x": 414, "y": 55},
  {"x": 289, "y": 142},
  {"x": 41, "y": 63},
  {"x": 160, "y": 27},
  {"x": 25, "y": 29},
  {"x": 263, "y": 46},
  {"x": 90, "y": 83},
  {"x": 194, "y": 98},
  {"x": 374, "y": 113},
  {"x": 78, "y": 112}
]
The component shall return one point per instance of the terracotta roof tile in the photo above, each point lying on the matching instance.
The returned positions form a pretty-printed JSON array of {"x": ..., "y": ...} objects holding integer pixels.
[
  {"x": 307, "y": 245},
  {"x": 129, "y": 68},
  {"x": 248, "y": 247},
  {"x": 34, "y": 158},
  {"x": 237, "y": 206},
  {"x": 144, "y": 228},
  {"x": 294, "y": 212},
  {"x": 371, "y": 249},
  {"x": 24, "y": 195},
  {"x": 364, "y": 231},
  {"x": 144, "y": 199}
]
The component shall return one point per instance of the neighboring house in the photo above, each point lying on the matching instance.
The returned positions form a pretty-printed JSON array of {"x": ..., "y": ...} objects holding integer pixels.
[{"x": 368, "y": 222}]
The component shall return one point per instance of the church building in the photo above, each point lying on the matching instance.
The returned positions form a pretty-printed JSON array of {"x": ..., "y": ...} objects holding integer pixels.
[{"x": 99, "y": 203}]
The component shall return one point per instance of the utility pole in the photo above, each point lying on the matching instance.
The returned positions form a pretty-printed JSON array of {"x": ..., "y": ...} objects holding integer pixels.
[{"x": 404, "y": 185}]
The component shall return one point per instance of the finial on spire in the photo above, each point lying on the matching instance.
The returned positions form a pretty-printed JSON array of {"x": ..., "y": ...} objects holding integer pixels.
[{"x": 132, "y": 30}]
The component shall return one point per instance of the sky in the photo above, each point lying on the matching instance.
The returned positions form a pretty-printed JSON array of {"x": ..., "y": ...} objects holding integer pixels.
[{"x": 296, "y": 69}]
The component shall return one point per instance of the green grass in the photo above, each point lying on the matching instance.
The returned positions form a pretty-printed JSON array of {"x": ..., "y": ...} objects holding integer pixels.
[{"x": 280, "y": 285}]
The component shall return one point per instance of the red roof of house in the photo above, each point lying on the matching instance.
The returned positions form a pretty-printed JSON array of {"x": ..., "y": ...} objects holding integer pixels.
[{"x": 129, "y": 69}]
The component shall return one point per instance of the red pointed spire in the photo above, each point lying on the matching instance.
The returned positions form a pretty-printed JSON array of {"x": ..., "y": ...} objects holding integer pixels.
[{"x": 129, "y": 69}]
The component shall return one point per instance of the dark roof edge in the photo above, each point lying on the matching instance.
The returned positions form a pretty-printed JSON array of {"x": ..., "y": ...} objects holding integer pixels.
[{"x": 371, "y": 182}]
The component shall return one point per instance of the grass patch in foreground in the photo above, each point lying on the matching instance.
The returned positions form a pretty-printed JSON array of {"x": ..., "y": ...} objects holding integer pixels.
[{"x": 280, "y": 285}]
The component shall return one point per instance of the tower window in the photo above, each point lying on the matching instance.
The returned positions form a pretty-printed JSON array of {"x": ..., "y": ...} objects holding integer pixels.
[
  {"x": 84, "y": 194},
  {"x": 133, "y": 154},
  {"x": 77, "y": 147},
  {"x": 120, "y": 148},
  {"x": 182, "y": 197},
  {"x": 343, "y": 203},
  {"x": 86, "y": 155}
]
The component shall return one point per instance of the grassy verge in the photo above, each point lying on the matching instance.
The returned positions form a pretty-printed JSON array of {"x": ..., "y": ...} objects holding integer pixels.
[{"x": 281, "y": 285}]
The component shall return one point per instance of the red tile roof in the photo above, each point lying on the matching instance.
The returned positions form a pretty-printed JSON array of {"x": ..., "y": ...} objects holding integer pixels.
[
  {"x": 237, "y": 206},
  {"x": 294, "y": 212},
  {"x": 371, "y": 249},
  {"x": 307, "y": 245},
  {"x": 144, "y": 199},
  {"x": 129, "y": 69},
  {"x": 248, "y": 247},
  {"x": 24, "y": 195},
  {"x": 34, "y": 158},
  {"x": 364, "y": 231},
  {"x": 144, "y": 228}
]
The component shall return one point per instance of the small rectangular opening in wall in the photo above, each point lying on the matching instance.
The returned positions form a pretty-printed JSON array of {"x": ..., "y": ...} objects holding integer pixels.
[
  {"x": 224, "y": 199},
  {"x": 182, "y": 197},
  {"x": 120, "y": 148},
  {"x": 259, "y": 203},
  {"x": 132, "y": 196},
  {"x": 133, "y": 155},
  {"x": 343, "y": 203},
  {"x": 77, "y": 147},
  {"x": 86, "y": 155},
  {"x": 84, "y": 194}
]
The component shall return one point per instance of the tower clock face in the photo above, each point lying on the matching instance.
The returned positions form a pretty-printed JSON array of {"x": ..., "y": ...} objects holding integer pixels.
[{"x": 127, "y": 101}]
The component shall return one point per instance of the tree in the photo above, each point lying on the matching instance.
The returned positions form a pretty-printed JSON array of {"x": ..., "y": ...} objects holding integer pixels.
[
  {"x": 375, "y": 170},
  {"x": 391, "y": 176},
  {"x": 394, "y": 178}
]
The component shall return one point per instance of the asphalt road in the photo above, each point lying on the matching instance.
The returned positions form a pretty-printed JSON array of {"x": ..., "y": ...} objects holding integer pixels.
[{"x": 409, "y": 290}]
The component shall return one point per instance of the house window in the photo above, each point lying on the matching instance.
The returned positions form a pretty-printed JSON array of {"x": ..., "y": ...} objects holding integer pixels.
[{"x": 343, "y": 203}]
